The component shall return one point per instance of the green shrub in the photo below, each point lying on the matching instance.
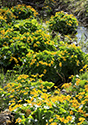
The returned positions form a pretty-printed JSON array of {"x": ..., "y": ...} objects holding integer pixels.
[
  {"x": 11, "y": 55},
  {"x": 14, "y": 31},
  {"x": 32, "y": 104},
  {"x": 63, "y": 23},
  {"x": 72, "y": 59},
  {"x": 55, "y": 66},
  {"x": 7, "y": 18},
  {"x": 39, "y": 41},
  {"x": 15, "y": 45},
  {"x": 78, "y": 90},
  {"x": 23, "y": 11},
  {"x": 8, "y": 36},
  {"x": 41, "y": 63},
  {"x": 27, "y": 25},
  {"x": 10, "y": 90}
]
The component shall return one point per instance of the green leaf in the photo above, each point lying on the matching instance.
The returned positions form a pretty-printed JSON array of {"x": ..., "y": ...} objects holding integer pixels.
[
  {"x": 50, "y": 84},
  {"x": 82, "y": 82},
  {"x": 70, "y": 88},
  {"x": 62, "y": 110}
]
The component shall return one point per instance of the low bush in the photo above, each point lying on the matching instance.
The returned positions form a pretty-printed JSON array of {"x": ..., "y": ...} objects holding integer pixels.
[
  {"x": 40, "y": 41},
  {"x": 63, "y": 23},
  {"x": 72, "y": 59},
  {"x": 22, "y": 86},
  {"x": 27, "y": 25},
  {"x": 33, "y": 102},
  {"x": 8, "y": 36},
  {"x": 41, "y": 63},
  {"x": 55, "y": 66},
  {"x": 24, "y": 11},
  {"x": 15, "y": 46},
  {"x": 14, "y": 31},
  {"x": 11, "y": 55}
]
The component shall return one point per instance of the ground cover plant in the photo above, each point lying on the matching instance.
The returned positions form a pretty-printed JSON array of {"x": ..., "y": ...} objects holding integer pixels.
[
  {"x": 63, "y": 22},
  {"x": 44, "y": 79},
  {"x": 37, "y": 104},
  {"x": 56, "y": 63},
  {"x": 23, "y": 11}
]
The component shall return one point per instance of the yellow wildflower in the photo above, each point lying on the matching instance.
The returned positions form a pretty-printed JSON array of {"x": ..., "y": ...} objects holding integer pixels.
[{"x": 60, "y": 64}]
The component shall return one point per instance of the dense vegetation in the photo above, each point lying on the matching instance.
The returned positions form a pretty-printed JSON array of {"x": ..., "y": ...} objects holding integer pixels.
[
  {"x": 47, "y": 7},
  {"x": 36, "y": 66}
]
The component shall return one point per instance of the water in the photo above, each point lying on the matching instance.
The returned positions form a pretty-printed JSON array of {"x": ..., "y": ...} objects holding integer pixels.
[{"x": 82, "y": 38}]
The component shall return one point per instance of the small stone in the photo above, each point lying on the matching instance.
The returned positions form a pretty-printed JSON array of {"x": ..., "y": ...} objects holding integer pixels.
[{"x": 6, "y": 118}]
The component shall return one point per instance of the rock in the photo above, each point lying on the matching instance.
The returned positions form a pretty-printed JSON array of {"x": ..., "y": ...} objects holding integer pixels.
[{"x": 7, "y": 118}]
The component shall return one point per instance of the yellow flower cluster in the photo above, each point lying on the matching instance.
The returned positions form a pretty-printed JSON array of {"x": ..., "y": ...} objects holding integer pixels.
[
  {"x": 23, "y": 76},
  {"x": 2, "y": 18},
  {"x": 13, "y": 108},
  {"x": 47, "y": 99}
]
